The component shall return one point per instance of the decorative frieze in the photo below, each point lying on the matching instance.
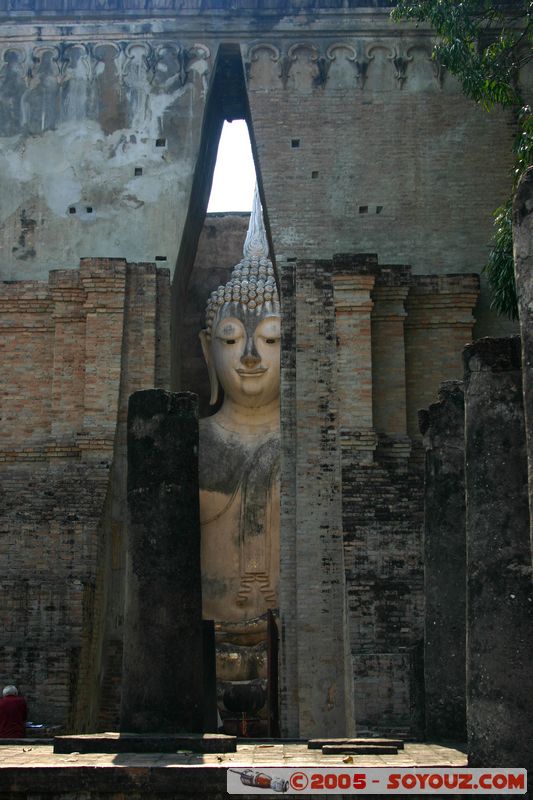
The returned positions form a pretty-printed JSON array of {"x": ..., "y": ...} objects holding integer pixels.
[
  {"x": 295, "y": 61},
  {"x": 42, "y": 86},
  {"x": 136, "y": 8}
]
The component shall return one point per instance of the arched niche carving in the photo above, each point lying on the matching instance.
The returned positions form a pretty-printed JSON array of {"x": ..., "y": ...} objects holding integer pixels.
[
  {"x": 13, "y": 70},
  {"x": 110, "y": 100},
  {"x": 381, "y": 75},
  {"x": 76, "y": 74},
  {"x": 423, "y": 70},
  {"x": 198, "y": 64},
  {"x": 262, "y": 67},
  {"x": 137, "y": 76},
  {"x": 303, "y": 70},
  {"x": 342, "y": 71},
  {"x": 40, "y": 101},
  {"x": 170, "y": 70}
]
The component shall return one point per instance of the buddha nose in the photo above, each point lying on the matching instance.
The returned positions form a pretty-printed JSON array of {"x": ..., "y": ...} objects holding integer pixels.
[{"x": 250, "y": 358}]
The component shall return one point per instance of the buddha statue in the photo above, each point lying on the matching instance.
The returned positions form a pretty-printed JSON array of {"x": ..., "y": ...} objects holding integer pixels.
[{"x": 239, "y": 459}]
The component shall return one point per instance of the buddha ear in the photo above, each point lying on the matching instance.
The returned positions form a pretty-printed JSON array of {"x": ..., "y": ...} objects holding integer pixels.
[{"x": 205, "y": 341}]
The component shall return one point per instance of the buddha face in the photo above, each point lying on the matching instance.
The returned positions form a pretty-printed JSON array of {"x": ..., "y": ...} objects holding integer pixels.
[{"x": 245, "y": 354}]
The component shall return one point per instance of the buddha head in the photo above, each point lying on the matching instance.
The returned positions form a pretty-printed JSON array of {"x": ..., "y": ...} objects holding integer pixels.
[{"x": 241, "y": 340}]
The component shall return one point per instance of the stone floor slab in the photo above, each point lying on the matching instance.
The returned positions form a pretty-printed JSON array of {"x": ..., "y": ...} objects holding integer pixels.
[{"x": 35, "y": 769}]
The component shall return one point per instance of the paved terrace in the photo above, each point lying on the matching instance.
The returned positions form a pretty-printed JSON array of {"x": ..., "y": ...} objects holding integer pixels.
[{"x": 33, "y": 767}]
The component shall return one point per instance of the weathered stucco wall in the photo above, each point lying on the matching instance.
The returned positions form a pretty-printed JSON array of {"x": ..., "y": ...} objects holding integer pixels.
[
  {"x": 362, "y": 143},
  {"x": 98, "y": 142}
]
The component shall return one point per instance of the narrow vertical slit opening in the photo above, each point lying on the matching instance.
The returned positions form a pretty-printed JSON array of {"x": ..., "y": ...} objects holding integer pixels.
[
  {"x": 224, "y": 181},
  {"x": 225, "y": 289}
]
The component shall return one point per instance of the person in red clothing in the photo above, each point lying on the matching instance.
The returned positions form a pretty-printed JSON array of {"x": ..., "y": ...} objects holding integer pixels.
[{"x": 13, "y": 714}]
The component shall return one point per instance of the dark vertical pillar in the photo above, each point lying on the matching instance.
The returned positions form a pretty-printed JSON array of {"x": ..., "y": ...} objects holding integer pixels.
[
  {"x": 209, "y": 677},
  {"x": 442, "y": 426},
  {"x": 499, "y": 590},
  {"x": 523, "y": 265},
  {"x": 162, "y": 665},
  {"x": 273, "y": 677},
  {"x": 289, "y": 628}
]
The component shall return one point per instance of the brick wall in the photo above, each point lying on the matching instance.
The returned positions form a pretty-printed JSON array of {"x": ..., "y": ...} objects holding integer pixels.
[
  {"x": 68, "y": 368},
  {"x": 351, "y": 587},
  {"x": 344, "y": 412},
  {"x": 337, "y": 460},
  {"x": 362, "y": 157}
]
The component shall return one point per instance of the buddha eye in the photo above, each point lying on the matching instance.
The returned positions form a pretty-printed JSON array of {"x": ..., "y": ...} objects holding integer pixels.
[
  {"x": 271, "y": 341},
  {"x": 230, "y": 341}
]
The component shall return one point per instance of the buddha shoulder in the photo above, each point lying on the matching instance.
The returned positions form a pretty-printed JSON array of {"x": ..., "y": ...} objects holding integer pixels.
[
  {"x": 226, "y": 457},
  {"x": 222, "y": 454}
]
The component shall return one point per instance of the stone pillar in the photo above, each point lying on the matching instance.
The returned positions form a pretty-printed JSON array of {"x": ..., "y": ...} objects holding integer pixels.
[
  {"x": 442, "y": 426},
  {"x": 499, "y": 589},
  {"x": 438, "y": 325},
  {"x": 352, "y": 286},
  {"x": 162, "y": 681},
  {"x": 523, "y": 264},
  {"x": 209, "y": 672}
]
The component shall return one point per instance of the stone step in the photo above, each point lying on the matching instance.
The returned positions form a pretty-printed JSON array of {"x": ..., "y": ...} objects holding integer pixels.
[
  {"x": 318, "y": 744},
  {"x": 358, "y": 750},
  {"x": 145, "y": 743}
]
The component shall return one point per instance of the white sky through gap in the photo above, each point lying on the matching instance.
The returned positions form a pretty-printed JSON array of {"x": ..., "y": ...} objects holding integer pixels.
[{"x": 234, "y": 177}]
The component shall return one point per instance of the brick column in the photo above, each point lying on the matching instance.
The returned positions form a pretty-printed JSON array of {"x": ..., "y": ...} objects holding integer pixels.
[
  {"x": 162, "y": 344},
  {"x": 523, "y": 263},
  {"x": 104, "y": 281},
  {"x": 388, "y": 360},
  {"x": 68, "y": 378},
  {"x": 353, "y": 307},
  {"x": 324, "y": 679},
  {"x": 438, "y": 325},
  {"x": 26, "y": 355},
  {"x": 499, "y": 588}
]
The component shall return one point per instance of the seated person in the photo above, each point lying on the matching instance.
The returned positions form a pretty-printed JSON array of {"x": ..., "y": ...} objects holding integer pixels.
[{"x": 13, "y": 714}]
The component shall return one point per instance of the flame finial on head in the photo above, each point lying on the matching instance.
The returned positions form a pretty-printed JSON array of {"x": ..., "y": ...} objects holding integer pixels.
[
  {"x": 252, "y": 281},
  {"x": 256, "y": 244}
]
